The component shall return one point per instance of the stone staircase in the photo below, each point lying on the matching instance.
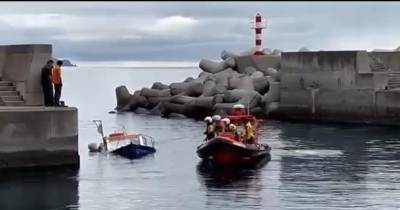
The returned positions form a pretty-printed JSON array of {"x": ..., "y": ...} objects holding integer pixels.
[
  {"x": 394, "y": 80},
  {"x": 376, "y": 65},
  {"x": 9, "y": 96}
]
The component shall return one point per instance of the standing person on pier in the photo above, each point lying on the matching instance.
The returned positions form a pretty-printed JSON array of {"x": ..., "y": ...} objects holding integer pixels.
[
  {"x": 47, "y": 84},
  {"x": 57, "y": 81}
]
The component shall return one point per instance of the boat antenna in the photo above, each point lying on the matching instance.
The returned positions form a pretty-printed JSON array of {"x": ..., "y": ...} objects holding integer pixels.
[
  {"x": 248, "y": 105},
  {"x": 99, "y": 126}
]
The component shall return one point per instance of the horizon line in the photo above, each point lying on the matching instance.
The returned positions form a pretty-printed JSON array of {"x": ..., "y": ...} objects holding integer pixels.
[{"x": 137, "y": 64}]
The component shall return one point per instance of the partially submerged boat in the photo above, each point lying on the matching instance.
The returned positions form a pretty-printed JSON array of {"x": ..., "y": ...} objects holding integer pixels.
[
  {"x": 130, "y": 146},
  {"x": 231, "y": 148}
]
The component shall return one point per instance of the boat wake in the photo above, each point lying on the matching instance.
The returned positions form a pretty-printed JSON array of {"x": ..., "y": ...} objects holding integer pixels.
[{"x": 318, "y": 153}]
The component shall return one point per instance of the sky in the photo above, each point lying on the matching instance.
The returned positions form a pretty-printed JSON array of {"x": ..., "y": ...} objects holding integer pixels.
[{"x": 190, "y": 31}]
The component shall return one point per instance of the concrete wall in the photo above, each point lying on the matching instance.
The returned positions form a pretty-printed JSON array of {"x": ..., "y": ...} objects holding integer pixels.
[
  {"x": 388, "y": 105},
  {"x": 389, "y": 59},
  {"x": 38, "y": 136},
  {"x": 336, "y": 86},
  {"x": 259, "y": 61},
  {"x": 3, "y": 54},
  {"x": 325, "y": 70},
  {"x": 22, "y": 65}
]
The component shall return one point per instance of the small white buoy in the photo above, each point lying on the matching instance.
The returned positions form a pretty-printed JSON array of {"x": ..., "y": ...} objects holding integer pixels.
[{"x": 93, "y": 147}]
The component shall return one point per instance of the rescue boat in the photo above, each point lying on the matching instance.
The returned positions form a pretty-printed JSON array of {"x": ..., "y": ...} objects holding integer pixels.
[
  {"x": 230, "y": 148},
  {"x": 121, "y": 143}
]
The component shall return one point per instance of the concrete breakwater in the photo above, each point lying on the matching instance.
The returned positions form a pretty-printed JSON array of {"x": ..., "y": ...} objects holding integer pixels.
[
  {"x": 249, "y": 80},
  {"x": 32, "y": 135},
  {"x": 335, "y": 86},
  {"x": 38, "y": 137},
  {"x": 341, "y": 86}
]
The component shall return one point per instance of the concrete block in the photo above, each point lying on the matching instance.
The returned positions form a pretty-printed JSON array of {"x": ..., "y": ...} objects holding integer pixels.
[
  {"x": 319, "y": 61},
  {"x": 261, "y": 85},
  {"x": 363, "y": 63},
  {"x": 223, "y": 76},
  {"x": 346, "y": 105},
  {"x": 273, "y": 94},
  {"x": 365, "y": 81},
  {"x": 227, "y": 54},
  {"x": 154, "y": 101},
  {"x": 296, "y": 102},
  {"x": 178, "y": 87},
  {"x": 147, "y": 92},
  {"x": 123, "y": 96},
  {"x": 388, "y": 106},
  {"x": 380, "y": 81},
  {"x": 159, "y": 86},
  {"x": 35, "y": 98},
  {"x": 38, "y": 136},
  {"x": 34, "y": 79},
  {"x": 212, "y": 66},
  {"x": 23, "y": 65},
  {"x": 188, "y": 79},
  {"x": 17, "y": 67},
  {"x": 257, "y": 74},
  {"x": 258, "y": 62},
  {"x": 29, "y": 48},
  {"x": 3, "y": 60},
  {"x": 326, "y": 70}
]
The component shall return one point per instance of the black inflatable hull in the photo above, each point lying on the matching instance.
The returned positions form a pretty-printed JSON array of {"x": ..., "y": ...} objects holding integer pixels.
[{"x": 226, "y": 152}]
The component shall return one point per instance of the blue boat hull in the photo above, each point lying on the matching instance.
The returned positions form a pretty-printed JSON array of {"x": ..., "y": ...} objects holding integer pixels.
[{"x": 134, "y": 151}]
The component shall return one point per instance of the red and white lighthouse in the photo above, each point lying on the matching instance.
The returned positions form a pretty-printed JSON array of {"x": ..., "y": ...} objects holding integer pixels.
[{"x": 258, "y": 28}]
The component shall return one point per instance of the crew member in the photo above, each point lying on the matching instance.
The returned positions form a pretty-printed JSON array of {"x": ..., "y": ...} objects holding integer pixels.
[
  {"x": 249, "y": 135},
  {"x": 238, "y": 109},
  {"x": 210, "y": 131},
  {"x": 218, "y": 125},
  {"x": 232, "y": 128},
  {"x": 226, "y": 122}
]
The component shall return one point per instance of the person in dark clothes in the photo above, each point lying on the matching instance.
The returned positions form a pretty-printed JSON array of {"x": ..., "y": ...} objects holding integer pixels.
[
  {"x": 57, "y": 81},
  {"x": 47, "y": 84}
]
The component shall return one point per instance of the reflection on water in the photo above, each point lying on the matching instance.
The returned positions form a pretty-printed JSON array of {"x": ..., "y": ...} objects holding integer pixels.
[
  {"x": 214, "y": 175},
  {"x": 39, "y": 189},
  {"x": 333, "y": 166},
  {"x": 231, "y": 187}
]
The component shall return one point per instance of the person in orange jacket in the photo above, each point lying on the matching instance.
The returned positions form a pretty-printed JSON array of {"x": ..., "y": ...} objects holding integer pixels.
[{"x": 57, "y": 81}]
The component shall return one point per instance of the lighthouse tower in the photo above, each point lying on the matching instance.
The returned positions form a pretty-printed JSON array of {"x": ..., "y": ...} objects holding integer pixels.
[{"x": 258, "y": 27}]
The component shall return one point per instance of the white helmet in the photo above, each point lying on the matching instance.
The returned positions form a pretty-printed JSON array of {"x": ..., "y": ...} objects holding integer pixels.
[
  {"x": 208, "y": 119},
  {"x": 226, "y": 121},
  {"x": 216, "y": 118},
  {"x": 238, "y": 106}
]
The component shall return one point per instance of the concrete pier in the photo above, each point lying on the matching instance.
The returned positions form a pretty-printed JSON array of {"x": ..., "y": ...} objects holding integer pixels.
[
  {"x": 38, "y": 136},
  {"x": 32, "y": 135},
  {"x": 341, "y": 86},
  {"x": 353, "y": 86}
]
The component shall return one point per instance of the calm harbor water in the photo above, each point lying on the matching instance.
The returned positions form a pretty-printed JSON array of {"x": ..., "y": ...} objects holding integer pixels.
[{"x": 312, "y": 166}]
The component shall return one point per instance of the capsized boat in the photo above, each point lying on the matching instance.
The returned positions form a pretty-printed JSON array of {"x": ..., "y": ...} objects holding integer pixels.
[
  {"x": 230, "y": 148},
  {"x": 130, "y": 146}
]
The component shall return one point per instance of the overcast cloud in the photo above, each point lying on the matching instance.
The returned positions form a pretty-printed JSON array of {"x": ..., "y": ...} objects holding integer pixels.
[{"x": 189, "y": 31}]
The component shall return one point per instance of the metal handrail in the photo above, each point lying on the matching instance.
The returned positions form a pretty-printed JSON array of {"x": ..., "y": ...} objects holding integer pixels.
[{"x": 147, "y": 137}]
